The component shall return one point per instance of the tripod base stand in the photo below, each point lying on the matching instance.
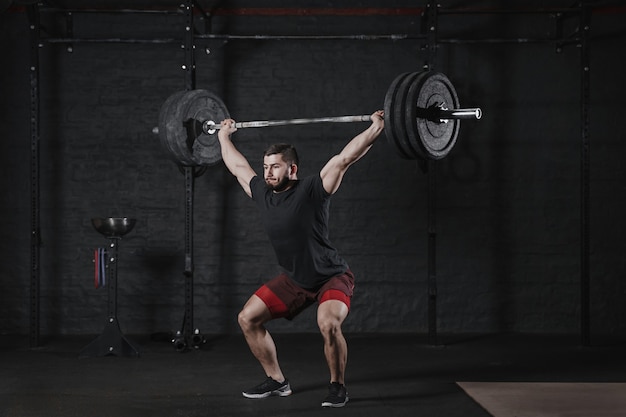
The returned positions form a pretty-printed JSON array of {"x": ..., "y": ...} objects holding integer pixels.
[{"x": 110, "y": 342}]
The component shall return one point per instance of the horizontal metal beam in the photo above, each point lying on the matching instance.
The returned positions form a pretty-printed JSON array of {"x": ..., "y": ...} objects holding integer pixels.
[
  {"x": 319, "y": 11},
  {"x": 563, "y": 41},
  {"x": 110, "y": 40},
  {"x": 389, "y": 37},
  {"x": 485, "y": 11},
  {"x": 329, "y": 11},
  {"x": 357, "y": 37}
]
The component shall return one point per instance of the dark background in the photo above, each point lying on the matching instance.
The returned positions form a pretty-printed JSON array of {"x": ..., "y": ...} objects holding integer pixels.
[{"x": 508, "y": 198}]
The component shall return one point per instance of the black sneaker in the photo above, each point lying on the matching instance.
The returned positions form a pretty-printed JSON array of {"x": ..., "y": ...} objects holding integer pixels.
[
  {"x": 267, "y": 388},
  {"x": 337, "y": 395}
]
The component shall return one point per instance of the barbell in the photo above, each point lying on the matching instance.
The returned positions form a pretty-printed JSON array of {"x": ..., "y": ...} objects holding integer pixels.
[{"x": 422, "y": 119}]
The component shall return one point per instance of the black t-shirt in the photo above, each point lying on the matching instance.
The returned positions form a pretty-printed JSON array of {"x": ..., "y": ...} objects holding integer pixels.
[{"x": 296, "y": 222}]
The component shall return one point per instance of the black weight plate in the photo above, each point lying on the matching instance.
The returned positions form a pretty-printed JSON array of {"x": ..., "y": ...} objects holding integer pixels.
[
  {"x": 390, "y": 121},
  {"x": 407, "y": 137},
  {"x": 182, "y": 133},
  {"x": 204, "y": 105},
  {"x": 432, "y": 138},
  {"x": 168, "y": 123}
]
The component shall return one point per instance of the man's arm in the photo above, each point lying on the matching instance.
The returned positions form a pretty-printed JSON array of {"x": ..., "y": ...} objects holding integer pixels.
[
  {"x": 236, "y": 163},
  {"x": 336, "y": 167}
]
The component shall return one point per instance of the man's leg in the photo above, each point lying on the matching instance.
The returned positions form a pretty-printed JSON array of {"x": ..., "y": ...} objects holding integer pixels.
[
  {"x": 330, "y": 317},
  {"x": 252, "y": 319}
]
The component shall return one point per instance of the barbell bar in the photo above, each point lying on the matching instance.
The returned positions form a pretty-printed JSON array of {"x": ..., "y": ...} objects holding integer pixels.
[
  {"x": 422, "y": 117},
  {"x": 439, "y": 115}
]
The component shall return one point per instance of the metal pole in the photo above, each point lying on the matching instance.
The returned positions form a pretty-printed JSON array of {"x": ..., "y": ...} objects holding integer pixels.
[
  {"x": 35, "y": 237},
  {"x": 189, "y": 68},
  {"x": 189, "y": 262},
  {"x": 112, "y": 255},
  {"x": 585, "y": 277},
  {"x": 431, "y": 28},
  {"x": 188, "y": 45}
]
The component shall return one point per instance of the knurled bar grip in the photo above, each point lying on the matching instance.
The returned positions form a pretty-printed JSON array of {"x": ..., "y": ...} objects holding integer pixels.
[{"x": 209, "y": 124}]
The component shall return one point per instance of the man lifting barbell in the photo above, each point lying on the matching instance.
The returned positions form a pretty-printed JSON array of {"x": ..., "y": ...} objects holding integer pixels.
[
  {"x": 422, "y": 118},
  {"x": 295, "y": 213}
]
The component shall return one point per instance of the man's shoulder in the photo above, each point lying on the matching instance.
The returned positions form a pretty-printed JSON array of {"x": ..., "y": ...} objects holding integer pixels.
[
  {"x": 314, "y": 186},
  {"x": 310, "y": 182},
  {"x": 256, "y": 185},
  {"x": 311, "y": 179}
]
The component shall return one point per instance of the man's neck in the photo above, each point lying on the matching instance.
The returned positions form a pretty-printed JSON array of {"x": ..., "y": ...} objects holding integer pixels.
[{"x": 288, "y": 187}]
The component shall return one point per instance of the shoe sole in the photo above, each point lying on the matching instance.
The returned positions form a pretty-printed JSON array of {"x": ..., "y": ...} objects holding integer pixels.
[
  {"x": 267, "y": 394},
  {"x": 335, "y": 405}
]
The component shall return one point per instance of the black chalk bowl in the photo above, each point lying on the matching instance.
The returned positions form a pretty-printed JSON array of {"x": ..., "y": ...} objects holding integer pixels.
[{"x": 113, "y": 226}]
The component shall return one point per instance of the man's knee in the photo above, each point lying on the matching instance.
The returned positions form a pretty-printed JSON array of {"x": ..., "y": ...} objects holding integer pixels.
[
  {"x": 254, "y": 313},
  {"x": 247, "y": 318},
  {"x": 330, "y": 317},
  {"x": 243, "y": 319},
  {"x": 329, "y": 326}
]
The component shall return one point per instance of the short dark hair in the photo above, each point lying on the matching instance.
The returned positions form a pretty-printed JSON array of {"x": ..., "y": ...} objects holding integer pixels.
[{"x": 288, "y": 151}]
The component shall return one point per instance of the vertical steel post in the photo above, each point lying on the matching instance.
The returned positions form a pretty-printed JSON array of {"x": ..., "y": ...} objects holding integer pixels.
[
  {"x": 189, "y": 69},
  {"x": 432, "y": 252},
  {"x": 189, "y": 65},
  {"x": 585, "y": 278},
  {"x": 111, "y": 283},
  {"x": 189, "y": 262},
  {"x": 431, "y": 23},
  {"x": 35, "y": 237}
]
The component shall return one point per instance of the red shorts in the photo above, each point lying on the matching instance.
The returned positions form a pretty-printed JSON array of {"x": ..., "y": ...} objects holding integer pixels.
[{"x": 285, "y": 298}]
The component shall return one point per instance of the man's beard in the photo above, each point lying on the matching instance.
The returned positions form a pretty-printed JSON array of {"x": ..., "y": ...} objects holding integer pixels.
[{"x": 280, "y": 186}]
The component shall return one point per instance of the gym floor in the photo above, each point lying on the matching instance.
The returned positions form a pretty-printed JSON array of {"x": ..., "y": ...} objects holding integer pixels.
[{"x": 388, "y": 375}]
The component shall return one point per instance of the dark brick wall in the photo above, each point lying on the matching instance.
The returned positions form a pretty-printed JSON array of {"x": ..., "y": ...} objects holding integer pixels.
[{"x": 508, "y": 203}]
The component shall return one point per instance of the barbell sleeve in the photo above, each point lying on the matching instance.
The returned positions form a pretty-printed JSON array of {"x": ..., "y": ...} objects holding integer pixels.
[{"x": 474, "y": 113}]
